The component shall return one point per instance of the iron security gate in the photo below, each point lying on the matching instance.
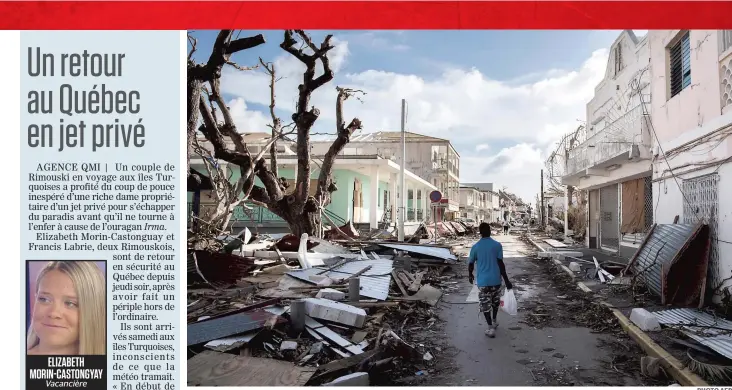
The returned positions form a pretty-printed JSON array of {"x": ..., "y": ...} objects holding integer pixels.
[
  {"x": 701, "y": 203},
  {"x": 609, "y": 227}
]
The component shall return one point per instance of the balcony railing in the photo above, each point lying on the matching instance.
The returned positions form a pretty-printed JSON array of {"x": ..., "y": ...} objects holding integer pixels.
[
  {"x": 257, "y": 214},
  {"x": 616, "y": 138}
]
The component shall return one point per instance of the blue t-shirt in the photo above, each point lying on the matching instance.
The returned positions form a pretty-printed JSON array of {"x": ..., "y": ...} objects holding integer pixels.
[{"x": 486, "y": 253}]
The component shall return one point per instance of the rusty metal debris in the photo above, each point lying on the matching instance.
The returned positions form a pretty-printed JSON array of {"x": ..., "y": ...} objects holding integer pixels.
[
  {"x": 242, "y": 293},
  {"x": 673, "y": 262}
]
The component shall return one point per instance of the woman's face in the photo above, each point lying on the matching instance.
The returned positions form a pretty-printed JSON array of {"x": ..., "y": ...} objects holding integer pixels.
[{"x": 56, "y": 311}]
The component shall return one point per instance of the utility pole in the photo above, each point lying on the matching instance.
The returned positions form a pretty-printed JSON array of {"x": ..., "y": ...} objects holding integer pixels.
[
  {"x": 402, "y": 188},
  {"x": 541, "y": 210},
  {"x": 566, "y": 212}
]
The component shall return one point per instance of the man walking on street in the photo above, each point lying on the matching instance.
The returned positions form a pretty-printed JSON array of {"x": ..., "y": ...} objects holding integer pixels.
[
  {"x": 488, "y": 254},
  {"x": 505, "y": 227}
]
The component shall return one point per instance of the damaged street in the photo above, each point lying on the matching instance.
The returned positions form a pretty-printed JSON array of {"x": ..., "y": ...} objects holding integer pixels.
[
  {"x": 558, "y": 338},
  {"x": 369, "y": 310}
]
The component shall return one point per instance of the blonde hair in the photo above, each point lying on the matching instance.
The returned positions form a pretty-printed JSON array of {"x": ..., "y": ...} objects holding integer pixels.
[{"x": 90, "y": 287}]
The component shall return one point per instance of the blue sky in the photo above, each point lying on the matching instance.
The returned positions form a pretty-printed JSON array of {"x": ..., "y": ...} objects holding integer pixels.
[{"x": 503, "y": 98}]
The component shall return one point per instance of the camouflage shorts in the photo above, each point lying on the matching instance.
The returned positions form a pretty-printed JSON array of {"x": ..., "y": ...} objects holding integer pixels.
[{"x": 490, "y": 298}]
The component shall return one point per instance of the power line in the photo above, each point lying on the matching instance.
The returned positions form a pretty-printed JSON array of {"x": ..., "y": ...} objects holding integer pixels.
[{"x": 663, "y": 155}]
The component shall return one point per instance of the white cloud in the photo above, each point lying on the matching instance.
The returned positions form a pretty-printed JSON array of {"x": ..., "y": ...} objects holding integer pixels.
[
  {"x": 528, "y": 114},
  {"x": 517, "y": 167},
  {"x": 378, "y": 40},
  {"x": 247, "y": 121}
]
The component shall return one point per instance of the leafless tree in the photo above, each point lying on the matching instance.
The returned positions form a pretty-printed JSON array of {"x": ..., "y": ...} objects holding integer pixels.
[{"x": 298, "y": 209}]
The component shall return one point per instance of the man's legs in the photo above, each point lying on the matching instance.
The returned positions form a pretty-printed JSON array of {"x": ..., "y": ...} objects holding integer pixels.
[{"x": 490, "y": 300}]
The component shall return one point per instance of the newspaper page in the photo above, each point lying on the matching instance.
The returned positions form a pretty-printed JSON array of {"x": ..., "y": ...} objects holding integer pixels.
[{"x": 100, "y": 208}]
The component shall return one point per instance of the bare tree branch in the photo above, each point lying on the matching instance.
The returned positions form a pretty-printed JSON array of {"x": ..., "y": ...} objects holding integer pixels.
[
  {"x": 325, "y": 180},
  {"x": 276, "y": 122},
  {"x": 221, "y": 53},
  {"x": 305, "y": 117},
  {"x": 193, "y": 41},
  {"x": 300, "y": 210}
]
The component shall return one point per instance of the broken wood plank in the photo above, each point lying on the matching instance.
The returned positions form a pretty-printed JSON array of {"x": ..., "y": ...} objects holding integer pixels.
[
  {"x": 334, "y": 337},
  {"x": 359, "y": 273},
  {"x": 399, "y": 283},
  {"x": 336, "y": 265},
  {"x": 338, "y": 366},
  {"x": 308, "y": 288},
  {"x": 373, "y": 304},
  {"x": 417, "y": 284},
  {"x": 409, "y": 276},
  {"x": 404, "y": 278},
  {"x": 210, "y": 368},
  {"x": 279, "y": 254},
  {"x": 258, "y": 305},
  {"x": 608, "y": 275},
  {"x": 555, "y": 243},
  {"x": 358, "y": 336}
]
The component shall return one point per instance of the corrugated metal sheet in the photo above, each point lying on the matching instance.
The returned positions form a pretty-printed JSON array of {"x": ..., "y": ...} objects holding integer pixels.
[
  {"x": 201, "y": 332},
  {"x": 374, "y": 282},
  {"x": 719, "y": 340},
  {"x": 659, "y": 252},
  {"x": 434, "y": 251}
]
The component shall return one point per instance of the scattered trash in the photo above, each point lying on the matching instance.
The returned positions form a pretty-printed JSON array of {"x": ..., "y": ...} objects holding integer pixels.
[{"x": 276, "y": 309}]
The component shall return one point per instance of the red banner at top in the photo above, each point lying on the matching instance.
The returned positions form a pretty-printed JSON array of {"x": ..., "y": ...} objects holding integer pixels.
[{"x": 187, "y": 15}]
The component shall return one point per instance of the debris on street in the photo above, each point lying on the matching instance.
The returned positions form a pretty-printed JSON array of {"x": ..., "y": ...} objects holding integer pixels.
[
  {"x": 661, "y": 289},
  {"x": 293, "y": 311}
]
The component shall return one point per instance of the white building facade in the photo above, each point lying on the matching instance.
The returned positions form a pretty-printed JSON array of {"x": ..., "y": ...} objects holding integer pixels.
[
  {"x": 612, "y": 159},
  {"x": 490, "y": 209},
  {"x": 692, "y": 118},
  {"x": 471, "y": 203},
  {"x": 433, "y": 159}
]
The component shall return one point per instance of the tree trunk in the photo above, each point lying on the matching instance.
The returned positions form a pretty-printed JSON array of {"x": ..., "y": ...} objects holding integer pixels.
[
  {"x": 194, "y": 96},
  {"x": 308, "y": 221}
]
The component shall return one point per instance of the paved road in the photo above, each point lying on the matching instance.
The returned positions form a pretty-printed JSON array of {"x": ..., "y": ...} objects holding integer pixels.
[{"x": 519, "y": 355}]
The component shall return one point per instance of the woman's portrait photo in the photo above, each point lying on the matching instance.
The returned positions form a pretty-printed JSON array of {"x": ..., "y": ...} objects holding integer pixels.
[{"x": 66, "y": 308}]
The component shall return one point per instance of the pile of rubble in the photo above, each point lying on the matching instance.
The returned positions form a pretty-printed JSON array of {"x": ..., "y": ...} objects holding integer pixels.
[{"x": 287, "y": 311}]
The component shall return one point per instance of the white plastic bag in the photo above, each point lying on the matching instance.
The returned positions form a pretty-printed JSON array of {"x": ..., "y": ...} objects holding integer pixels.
[{"x": 508, "y": 303}]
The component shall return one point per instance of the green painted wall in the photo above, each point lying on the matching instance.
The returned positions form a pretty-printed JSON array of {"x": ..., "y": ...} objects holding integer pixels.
[{"x": 341, "y": 200}]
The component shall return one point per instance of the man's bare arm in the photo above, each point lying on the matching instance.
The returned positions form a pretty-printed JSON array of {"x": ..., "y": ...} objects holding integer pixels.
[{"x": 502, "y": 267}]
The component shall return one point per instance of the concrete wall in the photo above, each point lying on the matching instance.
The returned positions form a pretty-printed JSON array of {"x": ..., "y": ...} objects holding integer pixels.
[
  {"x": 468, "y": 197},
  {"x": 614, "y": 95},
  {"x": 697, "y": 103},
  {"x": 419, "y": 161},
  {"x": 616, "y": 99},
  {"x": 628, "y": 171},
  {"x": 680, "y": 121}
]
